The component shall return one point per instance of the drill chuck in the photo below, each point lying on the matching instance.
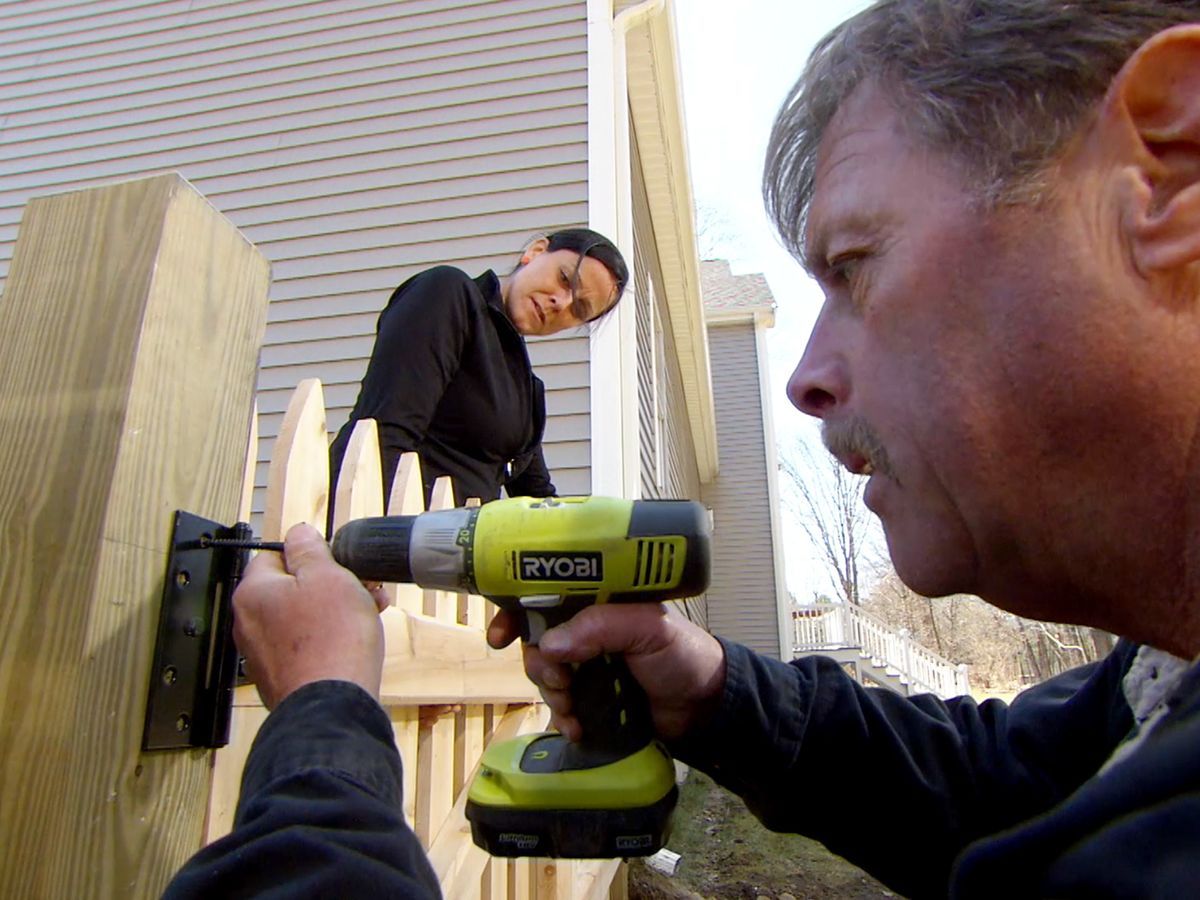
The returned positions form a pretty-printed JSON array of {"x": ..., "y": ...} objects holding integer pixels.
[
  {"x": 376, "y": 549},
  {"x": 433, "y": 549}
]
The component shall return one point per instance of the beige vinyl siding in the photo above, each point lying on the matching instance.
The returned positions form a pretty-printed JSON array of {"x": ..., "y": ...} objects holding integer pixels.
[
  {"x": 648, "y": 350},
  {"x": 355, "y": 142},
  {"x": 666, "y": 450},
  {"x": 742, "y": 601},
  {"x": 679, "y": 477}
]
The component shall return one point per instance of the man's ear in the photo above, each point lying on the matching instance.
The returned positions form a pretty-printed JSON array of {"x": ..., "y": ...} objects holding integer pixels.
[{"x": 1157, "y": 94}]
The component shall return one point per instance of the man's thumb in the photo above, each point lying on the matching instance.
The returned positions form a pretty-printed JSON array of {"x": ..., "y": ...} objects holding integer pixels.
[{"x": 303, "y": 546}]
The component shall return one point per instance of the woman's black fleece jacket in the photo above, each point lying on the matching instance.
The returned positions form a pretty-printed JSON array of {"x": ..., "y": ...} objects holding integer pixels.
[{"x": 450, "y": 378}]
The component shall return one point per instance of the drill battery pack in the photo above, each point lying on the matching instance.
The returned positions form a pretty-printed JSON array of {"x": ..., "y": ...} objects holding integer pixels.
[{"x": 535, "y": 796}]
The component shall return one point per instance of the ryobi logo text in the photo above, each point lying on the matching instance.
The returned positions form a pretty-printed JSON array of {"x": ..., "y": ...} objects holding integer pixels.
[{"x": 546, "y": 566}]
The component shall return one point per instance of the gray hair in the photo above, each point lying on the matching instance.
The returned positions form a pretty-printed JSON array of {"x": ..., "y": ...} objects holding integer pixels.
[{"x": 998, "y": 87}]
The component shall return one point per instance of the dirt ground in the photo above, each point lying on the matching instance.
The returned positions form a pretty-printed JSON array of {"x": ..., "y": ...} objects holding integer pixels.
[{"x": 726, "y": 853}]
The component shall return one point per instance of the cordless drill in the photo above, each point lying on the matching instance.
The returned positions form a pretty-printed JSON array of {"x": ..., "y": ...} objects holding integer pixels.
[{"x": 612, "y": 793}]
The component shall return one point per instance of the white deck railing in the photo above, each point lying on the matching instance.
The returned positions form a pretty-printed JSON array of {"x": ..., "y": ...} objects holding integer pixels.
[{"x": 830, "y": 626}]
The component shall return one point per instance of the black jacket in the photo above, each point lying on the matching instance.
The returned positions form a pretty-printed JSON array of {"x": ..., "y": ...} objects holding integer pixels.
[
  {"x": 955, "y": 799},
  {"x": 319, "y": 814},
  {"x": 450, "y": 378}
]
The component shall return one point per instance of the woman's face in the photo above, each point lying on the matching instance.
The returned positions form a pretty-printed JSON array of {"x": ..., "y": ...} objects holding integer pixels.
[{"x": 556, "y": 290}]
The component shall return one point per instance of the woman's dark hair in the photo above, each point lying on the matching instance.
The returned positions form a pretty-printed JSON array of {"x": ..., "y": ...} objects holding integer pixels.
[{"x": 586, "y": 242}]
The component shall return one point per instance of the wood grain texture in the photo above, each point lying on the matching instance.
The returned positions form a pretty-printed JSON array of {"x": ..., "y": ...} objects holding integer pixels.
[
  {"x": 430, "y": 661},
  {"x": 298, "y": 477},
  {"x": 458, "y": 863},
  {"x": 435, "y": 771},
  {"x": 405, "y": 725},
  {"x": 553, "y": 879},
  {"x": 359, "y": 492},
  {"x": 594, "y": 878},
  {"x": 618, "y": 889},
  {"x": 493, "y": 885},
  {"x": 129, "y": 336},
  {"x": 407, "y": 499},
  {"x": 520, "y": 878},
  {"x": 228, "y": 764}
]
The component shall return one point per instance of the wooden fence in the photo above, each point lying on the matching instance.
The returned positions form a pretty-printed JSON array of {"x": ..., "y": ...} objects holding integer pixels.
[
  {"x": 448, "y": 694},
  {"x": 831, "y": 626}
]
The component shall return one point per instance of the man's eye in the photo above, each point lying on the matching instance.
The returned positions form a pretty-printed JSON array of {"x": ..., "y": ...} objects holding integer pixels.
[{"x": 846, "y": 267}]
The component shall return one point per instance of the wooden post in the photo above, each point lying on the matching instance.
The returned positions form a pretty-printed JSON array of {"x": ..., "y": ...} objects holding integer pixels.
[{"x": 129, "y": 338}]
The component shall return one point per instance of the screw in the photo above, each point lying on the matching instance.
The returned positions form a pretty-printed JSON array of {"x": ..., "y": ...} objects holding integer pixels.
[
  {"x": 170, "y": 675},
  {"x": 183, "y": 723}
]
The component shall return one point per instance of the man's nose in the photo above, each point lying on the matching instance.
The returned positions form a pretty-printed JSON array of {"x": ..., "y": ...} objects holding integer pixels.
[{"x": 820, "y": 382}]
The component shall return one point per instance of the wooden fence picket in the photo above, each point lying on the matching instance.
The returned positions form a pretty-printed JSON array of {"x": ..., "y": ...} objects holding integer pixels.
[
  {"x": 459, "y": 863},
  {"x": 407, "y": 498},
  {"x": 298, "y": 478},
  {"x": 359, "y": 487}
]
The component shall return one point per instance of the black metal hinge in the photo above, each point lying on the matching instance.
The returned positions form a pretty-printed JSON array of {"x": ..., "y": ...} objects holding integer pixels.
[{"x": 195, "y": 665}]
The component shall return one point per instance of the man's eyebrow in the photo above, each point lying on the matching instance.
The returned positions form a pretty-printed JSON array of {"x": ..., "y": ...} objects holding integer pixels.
[{"x": 854, "y": 228}]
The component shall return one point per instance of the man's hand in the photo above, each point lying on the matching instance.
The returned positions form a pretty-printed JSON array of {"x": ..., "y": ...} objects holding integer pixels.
[
  {"x": 679, "y": 665},
  {"x": 299, "y": 617}
]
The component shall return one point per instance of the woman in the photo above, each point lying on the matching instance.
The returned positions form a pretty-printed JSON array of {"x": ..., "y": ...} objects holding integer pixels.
[{"x": 450, "y": 377}]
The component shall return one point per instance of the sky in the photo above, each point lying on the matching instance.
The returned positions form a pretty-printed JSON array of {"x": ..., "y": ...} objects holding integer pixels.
[{"x": 738, "y": 59}]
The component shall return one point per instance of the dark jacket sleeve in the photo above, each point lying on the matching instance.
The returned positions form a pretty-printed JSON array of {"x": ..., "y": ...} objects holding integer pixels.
[
  {"x": 417, "y": 352},
  {"x": 319, "y": 813},
  {"x": 813, "y": 752},
  {"x": 534, "y": 480}
]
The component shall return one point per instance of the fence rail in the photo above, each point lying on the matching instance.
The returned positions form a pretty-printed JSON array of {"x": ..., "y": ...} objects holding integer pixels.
[{"x": 832, "y": 626}]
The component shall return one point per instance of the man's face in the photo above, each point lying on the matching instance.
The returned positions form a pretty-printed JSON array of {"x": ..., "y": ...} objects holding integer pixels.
[{"x": 962, "y": 358}]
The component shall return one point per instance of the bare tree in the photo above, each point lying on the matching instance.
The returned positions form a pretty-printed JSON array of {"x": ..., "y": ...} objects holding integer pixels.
[
  {"x": 716, "y": 236},
  {"x": 1004, "y": 651},
  {"x": 826, "y": 500}
]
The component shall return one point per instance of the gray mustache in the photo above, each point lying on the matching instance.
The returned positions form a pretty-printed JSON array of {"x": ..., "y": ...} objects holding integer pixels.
[{"x": 854, "y": 437}]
